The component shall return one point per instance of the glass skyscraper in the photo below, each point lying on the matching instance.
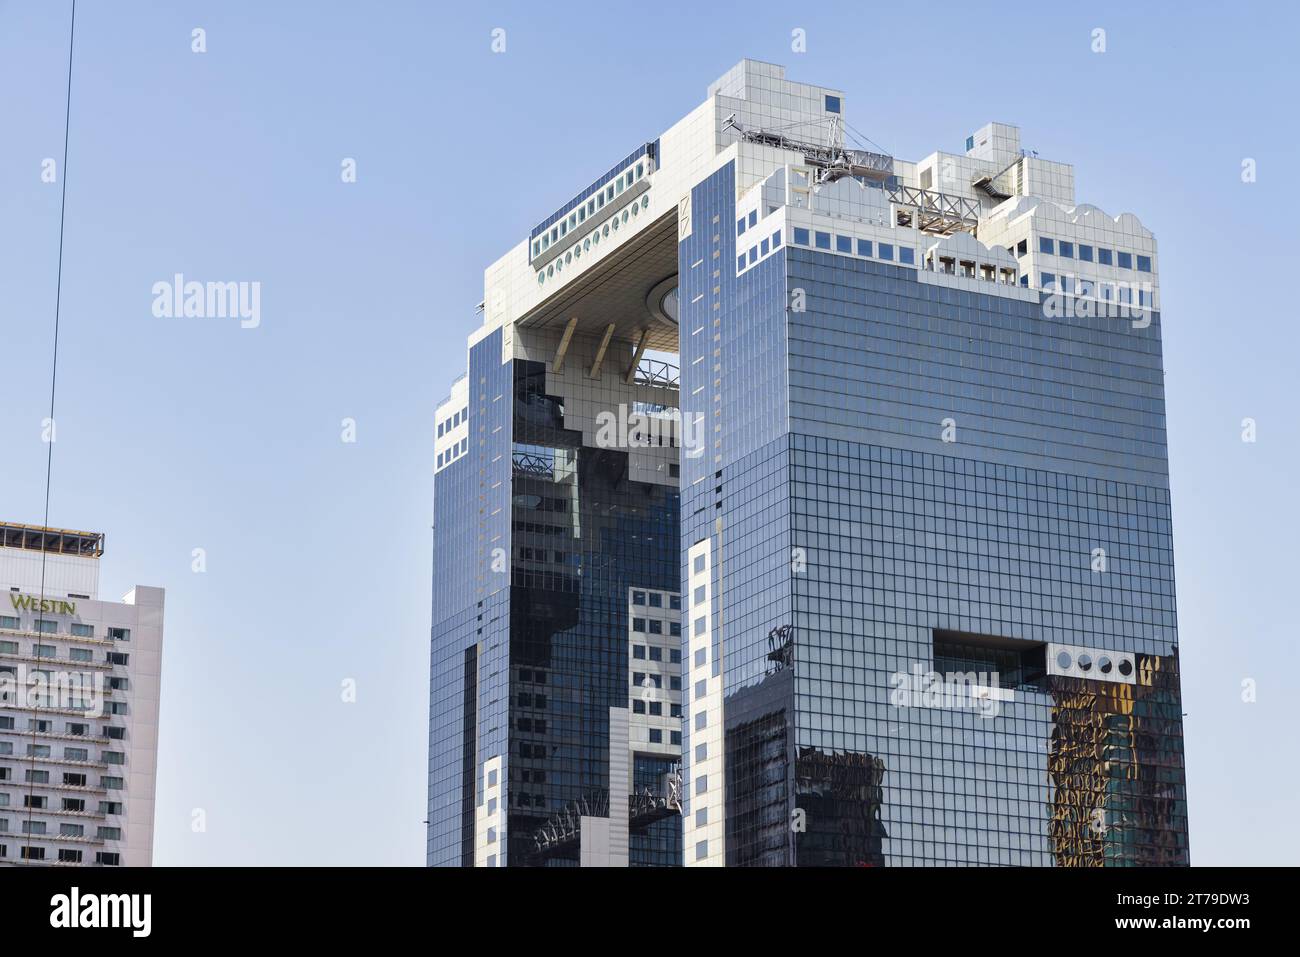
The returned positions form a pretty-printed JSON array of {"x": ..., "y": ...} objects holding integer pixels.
[
  {"x": 556, "y": 692},
  {"x": 914, "y": 490}
]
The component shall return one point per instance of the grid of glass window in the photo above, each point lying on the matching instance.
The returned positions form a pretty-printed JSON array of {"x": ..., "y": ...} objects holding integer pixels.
[
  {"x": 849, "y": 516},
  {"x": 584, "y": 537},
  {"x": 878, "y": 354},
  {"x": 901, "y": 544},
  {"x": 470, "y": 611},
  {"x": 657, "y": 843}
]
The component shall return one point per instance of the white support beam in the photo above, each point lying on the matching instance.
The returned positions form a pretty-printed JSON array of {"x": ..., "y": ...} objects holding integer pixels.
[
  {"x": 636, "y": 356},
  {"x": 600, "y": 353},
  {"x": 558, "y": 364}
]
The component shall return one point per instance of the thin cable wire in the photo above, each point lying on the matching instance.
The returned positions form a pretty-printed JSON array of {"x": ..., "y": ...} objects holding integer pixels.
[
  {"x": 863, "y": 137},
  {"x": 54, "y": 378}
]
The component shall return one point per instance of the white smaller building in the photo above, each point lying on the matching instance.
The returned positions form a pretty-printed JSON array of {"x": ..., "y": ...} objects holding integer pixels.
[{"x": 79, "y": 695}]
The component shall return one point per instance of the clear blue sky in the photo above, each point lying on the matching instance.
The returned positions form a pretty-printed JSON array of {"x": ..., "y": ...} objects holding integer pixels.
[{"x": 181, "y": 434}]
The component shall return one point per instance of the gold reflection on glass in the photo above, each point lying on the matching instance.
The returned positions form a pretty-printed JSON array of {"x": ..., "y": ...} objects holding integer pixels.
[{"x": 1116, "y": 769}]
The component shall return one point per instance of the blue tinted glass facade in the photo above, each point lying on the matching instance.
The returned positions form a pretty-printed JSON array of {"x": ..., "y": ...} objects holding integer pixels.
[
  {"x": 658, "y": 842},
  {"x": 903, "y": 545},
  {"x": 903, "y": 476},
  {"x": 539, "y": 538},
  {"x": 880, "y": 356},
  {"x": 737, "y": 492},
  {"x": 469, "y": 642},
  {"x": 584, "y": 536}
]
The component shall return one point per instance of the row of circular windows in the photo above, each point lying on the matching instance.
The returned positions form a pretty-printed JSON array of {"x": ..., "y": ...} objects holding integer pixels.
[
  {"x": 1085, "y": 663},
  {"x": 593, "y": 239}
]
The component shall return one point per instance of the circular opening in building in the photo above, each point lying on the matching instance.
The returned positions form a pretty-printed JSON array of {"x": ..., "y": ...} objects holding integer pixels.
[
  {"x": 1063, "y": 661},
  {"x": 669, "y": 304},
  {"x": 1085, "y": 662},
  {"x": 1125, "y": 667},
  {"x": 662, "y": 300},
  {"x": 1104, "y": 665}
]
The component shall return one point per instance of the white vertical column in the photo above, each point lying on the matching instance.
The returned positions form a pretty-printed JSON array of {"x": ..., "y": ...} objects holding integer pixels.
[
  {"x": 489, "y": 835},
  {"x": 620, "y": 785},
  {"x": 703, "y": 827},
  {"x": 145, "y": 670}
]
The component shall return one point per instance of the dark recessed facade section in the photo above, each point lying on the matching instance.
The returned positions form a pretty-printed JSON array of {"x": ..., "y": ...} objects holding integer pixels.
[{"x": 1012, "y": 663}]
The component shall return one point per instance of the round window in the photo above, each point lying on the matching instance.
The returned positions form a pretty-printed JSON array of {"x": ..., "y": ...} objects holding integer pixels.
[
  {"x": 625, "y": 215},
  {"x": 541, "y": 278},
  {"x": 1104, "y": 665},
  {"x": 550, "y": 270},
  {"x": 1063, "y": 661},
  {"x": 645, "y": 202},
  {"x": 1085, "y": 662},
  {"x": 586, "y": 243},
  {"x": 1125, "y": 667},
  {"x": 605, "y": 231},
  {"x": 635, "y": 209}
]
